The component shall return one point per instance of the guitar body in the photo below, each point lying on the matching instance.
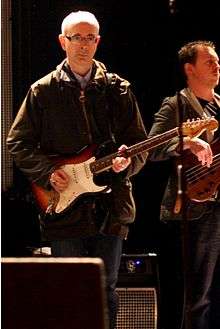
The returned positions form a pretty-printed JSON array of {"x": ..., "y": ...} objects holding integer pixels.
[
  {"x": 81, "y": 182},
  {"x": 202, "y": 182}
]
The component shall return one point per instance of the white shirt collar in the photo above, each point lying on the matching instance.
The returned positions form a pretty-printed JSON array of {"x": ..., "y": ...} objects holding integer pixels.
[{"x": 83, "y": 80}]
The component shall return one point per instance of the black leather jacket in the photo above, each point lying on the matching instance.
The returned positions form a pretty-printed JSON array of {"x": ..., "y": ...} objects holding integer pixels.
[{"x": 54, "y": 120}]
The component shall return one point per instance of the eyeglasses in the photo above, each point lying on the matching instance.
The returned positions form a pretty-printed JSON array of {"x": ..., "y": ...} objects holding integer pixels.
[{"x": 77, "y": 38}]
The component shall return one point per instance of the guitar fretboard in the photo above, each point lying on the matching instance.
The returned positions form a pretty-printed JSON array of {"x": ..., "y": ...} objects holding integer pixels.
[{"x": 144, "y": 146}]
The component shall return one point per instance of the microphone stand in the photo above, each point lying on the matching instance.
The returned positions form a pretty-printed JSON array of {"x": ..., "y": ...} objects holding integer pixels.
[{"x": 184, "y": 229}]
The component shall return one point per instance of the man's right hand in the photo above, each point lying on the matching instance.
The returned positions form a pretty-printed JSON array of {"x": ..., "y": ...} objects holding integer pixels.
[
  {"x": 200, "y": 149},
  {"x": 59, "y": 180}
]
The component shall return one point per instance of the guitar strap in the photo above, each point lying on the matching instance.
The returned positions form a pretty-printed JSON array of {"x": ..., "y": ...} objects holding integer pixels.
[{"x": 109, "y": 77}]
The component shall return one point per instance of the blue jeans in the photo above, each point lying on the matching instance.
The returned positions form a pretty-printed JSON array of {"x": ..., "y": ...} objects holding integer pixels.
[
  {"x": 205, "y": 271},
  {"x": 106, "y": 247}
]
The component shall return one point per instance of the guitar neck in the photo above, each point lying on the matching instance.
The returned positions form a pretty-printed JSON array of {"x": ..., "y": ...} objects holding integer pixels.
[{"x": 144, "y": 146}]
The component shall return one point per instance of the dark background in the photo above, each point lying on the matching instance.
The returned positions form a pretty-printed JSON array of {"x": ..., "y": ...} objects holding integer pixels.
[{"x": 140, "y": 40}]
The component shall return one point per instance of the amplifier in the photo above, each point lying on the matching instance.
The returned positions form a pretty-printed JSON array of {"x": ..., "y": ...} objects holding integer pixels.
[
  {"x": 138, "y": 270},
  {"x": 137, "y": 289},
  {"x": 137, "y": 308}
]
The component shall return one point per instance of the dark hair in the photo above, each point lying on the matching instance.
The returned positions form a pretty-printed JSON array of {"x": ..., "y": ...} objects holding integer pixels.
[{"x": 188, "y": 53}]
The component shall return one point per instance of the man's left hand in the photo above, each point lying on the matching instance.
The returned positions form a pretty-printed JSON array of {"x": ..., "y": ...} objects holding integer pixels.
[{"x": 120, "y": 163}]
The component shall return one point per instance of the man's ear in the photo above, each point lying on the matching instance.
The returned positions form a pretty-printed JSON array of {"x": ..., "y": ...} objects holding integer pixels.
[
  {"x": 62, "y": 41},
  {"x": 98, "y": 39},
  {"x": 188, "y": 68}
]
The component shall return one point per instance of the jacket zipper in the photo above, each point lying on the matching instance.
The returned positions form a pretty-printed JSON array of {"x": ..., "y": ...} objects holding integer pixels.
[{"x": 83, "y": 106}]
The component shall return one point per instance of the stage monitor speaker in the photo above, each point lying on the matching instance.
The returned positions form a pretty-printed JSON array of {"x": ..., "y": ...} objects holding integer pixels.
[
  {"x": 137, "y": 308},
  {"x": 53, "y": 293},
  {"x": 137, "y": 289}
]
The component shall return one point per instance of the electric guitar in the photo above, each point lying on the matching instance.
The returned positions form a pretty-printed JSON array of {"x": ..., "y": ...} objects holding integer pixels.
[
  {"x": 81, "y": 168},
  {"x": 202, "y": 182}
]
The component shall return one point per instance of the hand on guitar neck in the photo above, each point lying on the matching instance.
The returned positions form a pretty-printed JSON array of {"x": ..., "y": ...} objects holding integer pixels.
[{"x": 120, "y": 163}]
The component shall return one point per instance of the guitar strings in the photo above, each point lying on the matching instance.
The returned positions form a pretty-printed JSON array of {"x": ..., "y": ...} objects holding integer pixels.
[
  {"x": 198, "y": 171},
  {"x": 201, "y": 171},
  {"x": 199, "y": 166}
]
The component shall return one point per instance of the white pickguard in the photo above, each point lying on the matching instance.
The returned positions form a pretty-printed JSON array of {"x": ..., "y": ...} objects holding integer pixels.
[{"x": 81, "y": 181}]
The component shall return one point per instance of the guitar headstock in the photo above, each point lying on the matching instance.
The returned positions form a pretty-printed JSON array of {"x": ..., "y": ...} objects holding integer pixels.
[{"x": 195, "y": 128}]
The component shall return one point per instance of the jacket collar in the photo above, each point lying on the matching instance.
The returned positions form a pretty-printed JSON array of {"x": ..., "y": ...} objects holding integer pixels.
[{"x": 98, "y": 75}]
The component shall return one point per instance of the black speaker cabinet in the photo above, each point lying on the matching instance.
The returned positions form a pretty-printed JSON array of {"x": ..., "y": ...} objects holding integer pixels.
[
  {"x": 137, "y": 308},
  {"x": 53, "y": 293},
  {"x": 137, "y": 289}
]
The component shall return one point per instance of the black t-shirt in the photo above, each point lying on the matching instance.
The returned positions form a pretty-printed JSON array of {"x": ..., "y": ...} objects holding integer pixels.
[{"x": 212, "y": 109}]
